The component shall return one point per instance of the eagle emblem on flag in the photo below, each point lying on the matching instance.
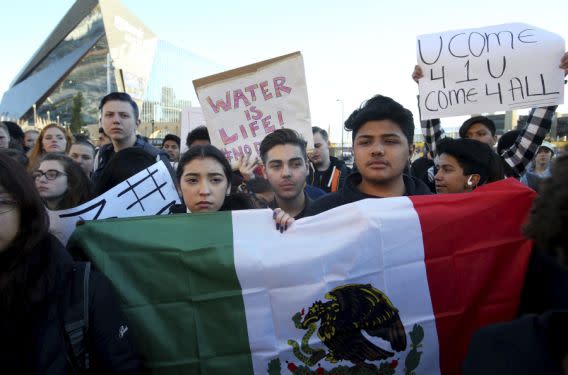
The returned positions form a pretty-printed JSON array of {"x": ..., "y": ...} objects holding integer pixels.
[{"x": 345, "y": 324}]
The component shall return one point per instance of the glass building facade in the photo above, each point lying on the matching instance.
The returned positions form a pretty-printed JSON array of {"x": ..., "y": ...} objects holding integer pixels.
[
  {"x": 170, "y": 87},
  {"x": 97, "y": 48}
]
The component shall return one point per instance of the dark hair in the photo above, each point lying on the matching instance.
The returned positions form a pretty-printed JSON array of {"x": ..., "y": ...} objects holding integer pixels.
[
  {"x": 34, "y": 221},
  {"x": 548, "y": 219},
  {"x": 3, "y": 126},
  {"x": 474, "y": 157},
  {"x": 121, "y": 97},
  {"x": 78, "y": 184},
  {"x": 81, "y": 138},
  {"x": 282, "y": 137},
  {"x": 201, "y": 152},
  {"x": 507, "y": 140},
  {"x": 382, "y": 108},
  {"x": 171, "y": 137},
  {"x": 123, "y": 165},
  {"x": 85, "y": 143},
  {"x": 259, "y": 185},
  {"x": 198, "y": 134},
  {"x": 233, "y": 201},
  {"x": 15, "y": 284},
  {"x": 323, "y": 133},
  {"x": 102, "y": 131},
  {"x": 477, "y": 120},
  {"x": 16, "y": 135},
  {"x": 17, "y": 155}
]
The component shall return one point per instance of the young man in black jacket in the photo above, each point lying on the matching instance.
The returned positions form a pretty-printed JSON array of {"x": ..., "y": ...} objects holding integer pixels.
[
  {"x": 383, "y": 133},
  {"x": 285, "y": 160},
  {"x": 120, "y": 118},
  {"x": 327, "y": 173}
]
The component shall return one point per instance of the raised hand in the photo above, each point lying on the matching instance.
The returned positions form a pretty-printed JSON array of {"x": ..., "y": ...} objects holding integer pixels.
[
  {"x": 417, "y": 74},
  {"x": 247, "y": 165}
]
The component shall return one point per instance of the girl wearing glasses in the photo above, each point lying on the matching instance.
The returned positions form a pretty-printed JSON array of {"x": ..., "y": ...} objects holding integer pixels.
[
  {"x": 61, "y": 183},
  {"x": 52, "y": 139},
  {"x": 36, "y": 273}
]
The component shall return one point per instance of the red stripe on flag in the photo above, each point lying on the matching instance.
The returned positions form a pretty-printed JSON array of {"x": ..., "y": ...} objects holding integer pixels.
[{"x": 476, "y": 259}]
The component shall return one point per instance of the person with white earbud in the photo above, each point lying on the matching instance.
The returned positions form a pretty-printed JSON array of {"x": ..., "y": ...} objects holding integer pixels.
[{"x": 464, "y": 164}]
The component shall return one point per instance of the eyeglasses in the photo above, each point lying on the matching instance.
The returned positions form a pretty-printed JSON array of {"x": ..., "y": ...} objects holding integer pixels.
[
  {"x": 50, "y": 174},
  {"x": 7, "y": 205}
]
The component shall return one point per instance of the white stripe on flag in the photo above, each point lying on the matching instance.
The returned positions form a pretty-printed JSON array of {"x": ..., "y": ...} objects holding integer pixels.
[{"x": 376, "y": 241}]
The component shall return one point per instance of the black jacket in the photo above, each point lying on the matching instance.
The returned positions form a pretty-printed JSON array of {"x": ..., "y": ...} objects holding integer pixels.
[
  {"x": 546, "y": 285},
  {"x": 325, "y": 179},
  {"x": 33, "y": 339},
  {"x": 307, "y": 203},
  {"x": 420, "y": 168},
  {"x": 106, "y": 152},
  {"x": 534, "y": 343},
  {"x": 351, "y": 193},
  {"x": 529, "y": 345}
]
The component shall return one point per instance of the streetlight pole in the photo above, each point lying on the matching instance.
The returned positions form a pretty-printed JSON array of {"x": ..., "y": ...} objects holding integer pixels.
[
  {"x": 108, "y": 66},
  {"x": 341, "y": 125}
]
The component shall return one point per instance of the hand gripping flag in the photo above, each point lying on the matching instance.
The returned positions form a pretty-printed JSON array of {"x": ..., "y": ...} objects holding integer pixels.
[{"x": 380, "y": 286}]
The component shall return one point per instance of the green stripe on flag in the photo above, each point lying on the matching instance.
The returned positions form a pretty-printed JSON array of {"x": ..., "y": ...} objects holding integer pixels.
[{"x": 176, "y": 280}]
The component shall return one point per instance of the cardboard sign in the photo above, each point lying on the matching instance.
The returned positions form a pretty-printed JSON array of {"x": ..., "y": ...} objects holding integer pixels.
[
  {"x": 495, "y": 68},
  {"x": 191, "y": 118},
  {"x": 242, "y": 106},
  {"x": 149, "y": 192}
]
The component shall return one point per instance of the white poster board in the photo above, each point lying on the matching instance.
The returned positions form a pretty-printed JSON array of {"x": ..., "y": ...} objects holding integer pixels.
[
  {"x": 149, "y": 192},
  {"x": 191, "y": 118},
  {"x": 242, "y": 106},
  {"x": 495, "y": 68}
]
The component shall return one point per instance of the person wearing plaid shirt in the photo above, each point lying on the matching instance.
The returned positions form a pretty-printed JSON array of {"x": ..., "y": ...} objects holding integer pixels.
[{"x": 519, "y": 155}]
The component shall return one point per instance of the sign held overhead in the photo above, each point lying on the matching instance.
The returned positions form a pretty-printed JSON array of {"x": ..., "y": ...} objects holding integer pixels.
[{"x": 495, "y": 68}]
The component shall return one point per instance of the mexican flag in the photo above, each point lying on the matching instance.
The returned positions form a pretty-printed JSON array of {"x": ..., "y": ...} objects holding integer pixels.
[{"x": 380, "y": 286}]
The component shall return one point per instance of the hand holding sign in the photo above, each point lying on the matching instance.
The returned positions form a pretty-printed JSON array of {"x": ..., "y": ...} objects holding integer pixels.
[
  {"x": 495, "y": 68},
  {"x": 564, "y": 63},
  {"x": 417, "y": 74},
  {"x": 247, "y": 165}
]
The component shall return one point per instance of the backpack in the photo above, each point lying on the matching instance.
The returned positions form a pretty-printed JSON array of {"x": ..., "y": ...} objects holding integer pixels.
[{"x": 76, "y": 317}]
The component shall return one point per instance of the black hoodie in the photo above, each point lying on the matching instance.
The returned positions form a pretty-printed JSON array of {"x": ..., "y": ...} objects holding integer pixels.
[
  {"x": 351, "y": 193},
  {"x": 33, "y": 339},
  {"x": 324, "y": 179}
]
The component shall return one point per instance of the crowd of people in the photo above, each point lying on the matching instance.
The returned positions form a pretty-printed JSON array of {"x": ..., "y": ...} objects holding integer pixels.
[{"x": 54, "y": 170}]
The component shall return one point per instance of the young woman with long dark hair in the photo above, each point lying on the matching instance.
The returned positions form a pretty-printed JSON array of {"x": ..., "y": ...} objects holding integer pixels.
[
  {"x": 36, "y": 275},
  {"x": 204, "y": 176}
]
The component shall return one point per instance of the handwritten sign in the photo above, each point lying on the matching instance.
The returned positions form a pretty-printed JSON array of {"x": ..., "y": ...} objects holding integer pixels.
[
  {"x": 242, "y": 106},
  {"x": 191, "y": 118},
  {"x": 495, "y": 68},
  {"x": 149, "y": 192}
]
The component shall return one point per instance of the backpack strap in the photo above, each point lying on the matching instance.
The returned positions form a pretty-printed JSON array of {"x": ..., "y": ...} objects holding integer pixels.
[{"x": 76, "y": 315}]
